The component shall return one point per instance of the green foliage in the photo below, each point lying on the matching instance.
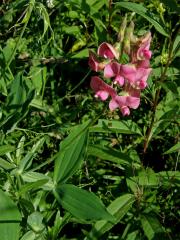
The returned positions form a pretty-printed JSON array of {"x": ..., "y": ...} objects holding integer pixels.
[
  {"x": 10, "y": 218},
  {"x": 64, "y": 156},
  {"x": 80, "y": 203}
]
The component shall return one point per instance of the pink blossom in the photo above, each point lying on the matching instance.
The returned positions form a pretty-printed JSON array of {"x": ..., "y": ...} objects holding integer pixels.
[
  {"x": 136, "y": 76},
  {"x": 101, "y": 89},
  {"x": 124, "y": 103},
  {"x": 113, "y": 69},
  {"x": 93, "y": 62},
  {"x": 106, "y": 50},
  {"x": 141, "y": 51}
]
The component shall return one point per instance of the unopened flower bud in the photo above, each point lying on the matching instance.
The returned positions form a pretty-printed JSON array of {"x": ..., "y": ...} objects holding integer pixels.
[
  {"x": 128, "y": 37},
  {"x": 122, "y": 29},
  {"x": 164, "y": 58}
]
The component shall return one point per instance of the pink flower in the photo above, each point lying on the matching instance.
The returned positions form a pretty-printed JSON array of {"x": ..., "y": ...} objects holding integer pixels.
[
  {"x": 124, "y": 103},
  {"x": 113, "y": 69},
  {"x": 141, "y": 50},
  {"x": 101, "y": 89},
  {"x": 106, "y": 50},
  {"x": 93, "y": 62},
  {"x": 136, "y": 76}
]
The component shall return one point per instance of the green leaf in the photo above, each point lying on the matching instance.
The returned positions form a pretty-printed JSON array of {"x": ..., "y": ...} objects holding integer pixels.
[
  {"x": 71, "y": 153},
  {"x": 176, "y": 46},
  {"x": 45, "y": 16},
  {"x": 31, "y": 186},
  {"x": 17, "y": 95},
  {"x": 72, "y": 30},
  {"x": 32, "y": 177},
  {"x": 6, "y": 149},
  {"x": 152, "y": 227},
  {"x": 9, "y": 218},
  {"x": 84, "y": 53},
  {"x": 30, "y": 235},
  {"x": 133, "y": 235},
  {"x": 109, "y": 154},
  {"x": 38, "y": 77},
  {"x": 169, "y": 178},
  {"x": 81, "y": 203},
  {"x": 142, "y": 11},
  {"x": 18, "y": 101},
  {"x": 35, "y": 222},
  {"x": 6, "y": 165},
  {"x": 27, "y": 160},
  {"x": 147, "y": 178},
  {"x": 127, "y": 127},
  {"x": 175, "y": 148},
  {"x": 118, "y": 208},
  {"x": 172, "y": 5}
]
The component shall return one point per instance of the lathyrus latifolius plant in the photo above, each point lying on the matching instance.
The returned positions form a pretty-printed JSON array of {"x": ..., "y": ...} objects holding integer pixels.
[{"x": 125, "y": 81}]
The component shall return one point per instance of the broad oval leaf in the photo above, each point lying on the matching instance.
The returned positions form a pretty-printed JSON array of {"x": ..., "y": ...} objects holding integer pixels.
[
  {"x": 82, "y": 204},
  {"x": 9, "y": 218},
  {"x": 142, "y": 11}
]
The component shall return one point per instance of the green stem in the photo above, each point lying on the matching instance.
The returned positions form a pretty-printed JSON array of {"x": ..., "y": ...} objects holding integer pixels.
[
  {"x": 157, "y": 94},
  {"x": 29, "y": 11}
]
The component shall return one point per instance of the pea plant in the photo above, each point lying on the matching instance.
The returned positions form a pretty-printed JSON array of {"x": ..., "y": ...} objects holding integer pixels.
[{"x": 89, "y": 119}]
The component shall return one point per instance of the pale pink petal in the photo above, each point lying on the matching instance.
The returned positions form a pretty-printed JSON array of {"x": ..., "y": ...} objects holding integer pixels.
[
  {"x": 129, "y": 72},
  {"x": 142, "y": 76},
  {"x": 112, "y": 69},
  {"x": 125, "y": 111},
  {"x": 119, "y": 79},
  {"x": 113, "y": 105},
  {"x": 99, "y": 85},
  {"x": 121, "y": 100},
  {"x": 133, "y": 102},
  {"x": 103, "y": 95},
  {"x": 108, "y": 71}
]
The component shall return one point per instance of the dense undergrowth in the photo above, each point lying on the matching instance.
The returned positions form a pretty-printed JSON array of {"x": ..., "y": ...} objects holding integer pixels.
[{"x": 69, "y": 167}]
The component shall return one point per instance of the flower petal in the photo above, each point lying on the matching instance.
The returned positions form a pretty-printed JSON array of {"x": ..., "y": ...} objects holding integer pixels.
[
  {"x": 113, "y": 105},
  {"x": 106, "y": 50},
  {"x": 108, "y": 71},
  {"x": 119, "y": 79},
  {"x": 98, "y": 85},
  {"x": 93, "y": 62},
  {"x": 103, "y": 95},
  {"x": 125, "y": 111}
]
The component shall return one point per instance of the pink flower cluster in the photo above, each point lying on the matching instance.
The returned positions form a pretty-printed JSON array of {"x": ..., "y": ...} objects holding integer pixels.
[{"x": 128, "y": 79}]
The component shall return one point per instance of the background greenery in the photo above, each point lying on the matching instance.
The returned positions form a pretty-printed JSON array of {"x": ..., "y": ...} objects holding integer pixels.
[{"x": 70, "y": 168}]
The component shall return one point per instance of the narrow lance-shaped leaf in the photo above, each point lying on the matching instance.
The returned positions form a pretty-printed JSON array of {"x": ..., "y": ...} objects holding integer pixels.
[
  {"x": 71, "y": 153},
  {"x": 127, "y": 127},
  {"x": 118, "y": 208},
  {"x": 27, "y": 160},
  {"x": 109, "y": 154}
]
